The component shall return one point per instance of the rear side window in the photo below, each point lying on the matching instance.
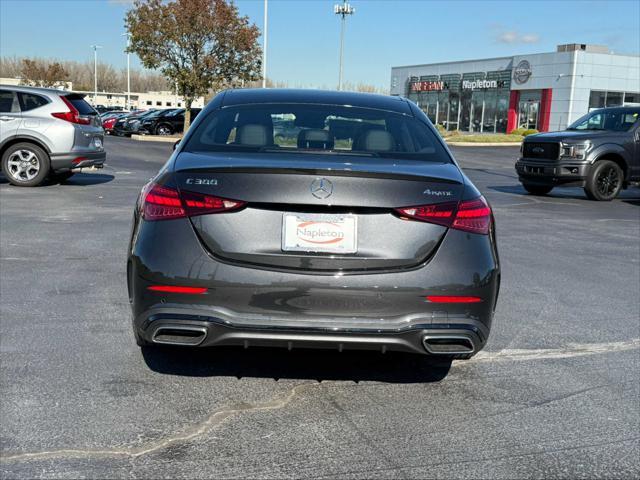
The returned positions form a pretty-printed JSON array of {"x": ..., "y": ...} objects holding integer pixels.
[
  {"x": 81, "y": 104},
  {"x": 314, "y": 128},
  {"x": 9, "y": 102},
  {"x": 30, "y": 101}
]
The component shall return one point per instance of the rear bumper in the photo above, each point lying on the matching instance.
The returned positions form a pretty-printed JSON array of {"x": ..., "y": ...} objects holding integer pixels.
[
  {"x": 219, "y": 332},
  {"x": 68, "y": 161},
  {"x": 248, "y": 306},
  {"x": 558, "y": 173}
]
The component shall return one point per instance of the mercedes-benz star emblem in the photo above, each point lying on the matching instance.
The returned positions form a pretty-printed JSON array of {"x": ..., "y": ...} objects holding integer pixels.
[{"x": 321, "y": 188}]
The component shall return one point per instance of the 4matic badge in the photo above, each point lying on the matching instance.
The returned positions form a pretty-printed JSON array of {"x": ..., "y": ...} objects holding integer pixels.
[{"x": 438, "y": 193}]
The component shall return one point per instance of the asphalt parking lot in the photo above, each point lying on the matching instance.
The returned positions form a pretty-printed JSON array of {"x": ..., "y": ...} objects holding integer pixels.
[{"x": 556, "y": 393}]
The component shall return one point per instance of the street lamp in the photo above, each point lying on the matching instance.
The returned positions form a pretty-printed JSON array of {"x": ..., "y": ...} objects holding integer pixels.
[
  {"x": 95, "y": 73},
  {"x": 264, "y": 47},
  {"x": 342, "y": 10},
  {"x": 128, "y": 35}
]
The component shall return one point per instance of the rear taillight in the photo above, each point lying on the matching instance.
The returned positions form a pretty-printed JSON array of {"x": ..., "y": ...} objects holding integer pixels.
[
  {"x": 452, "y": 299},
  {"x": 469, "y": 215},
  {"x": 165, "y": 203},
  {"x": 73, "y": 115},
  {"x": 177, "y": 289}
]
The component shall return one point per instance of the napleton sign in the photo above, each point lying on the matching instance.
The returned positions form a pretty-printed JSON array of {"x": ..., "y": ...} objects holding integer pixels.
[{"x": 481, "y": 84}]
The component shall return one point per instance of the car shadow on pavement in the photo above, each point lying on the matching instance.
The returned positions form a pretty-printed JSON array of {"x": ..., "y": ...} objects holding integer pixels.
[
  {"x": 83, "y": 179},
  {"x": 276, "y": 363},
  {"x": 79, "y": 179},
  {"x": 558, "y": 192}
]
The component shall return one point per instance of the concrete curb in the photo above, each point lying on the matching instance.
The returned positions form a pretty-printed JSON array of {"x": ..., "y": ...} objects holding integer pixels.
[
  {"x": 471, "y": 144},
  {"x": 155, "y": 138}
]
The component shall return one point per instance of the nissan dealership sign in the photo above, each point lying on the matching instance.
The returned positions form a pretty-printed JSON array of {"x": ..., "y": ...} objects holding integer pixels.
[{"x": 522, "y": 72}]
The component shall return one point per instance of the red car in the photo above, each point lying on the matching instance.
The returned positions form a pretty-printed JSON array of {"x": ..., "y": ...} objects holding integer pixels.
[{"x": 110, "y": 122}]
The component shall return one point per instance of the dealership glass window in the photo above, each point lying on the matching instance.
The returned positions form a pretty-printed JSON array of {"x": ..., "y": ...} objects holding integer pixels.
[
  {"x": 479, "y": 110},
  {"x": 500, "y": 114},
  {"x": 601, "y": 99},
  {"x": 469, "y": 103},
  {"x": 431, "y": 105},
  {"x": 477, "y": 106},
  {"x": 443, "y": 108},
  {"x": 465, "y": 110},
  {"x": 597, "y": 99},
  {"x": 633, "y": 98},
  {"x": 452, "y": 93},
  {"x": 614, "y": 99},
  {"x": 502, "y": 111},
  {"x": 490, "y": 110}
]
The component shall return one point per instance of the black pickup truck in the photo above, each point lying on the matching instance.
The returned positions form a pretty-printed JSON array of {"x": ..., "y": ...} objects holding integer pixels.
[{"x": 599, "y": 152}]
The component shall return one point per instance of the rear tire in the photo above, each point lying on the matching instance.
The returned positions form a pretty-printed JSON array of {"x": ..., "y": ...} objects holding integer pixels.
[
  {"x": 25, "y": 165},
  {"x": 604, "y": 181},
  {"x": 164, "y": 129},
  {"x": 537, "y": 189}
]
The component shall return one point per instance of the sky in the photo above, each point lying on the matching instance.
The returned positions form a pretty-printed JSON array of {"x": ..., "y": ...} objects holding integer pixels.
[{"x": 304, "y": 35}]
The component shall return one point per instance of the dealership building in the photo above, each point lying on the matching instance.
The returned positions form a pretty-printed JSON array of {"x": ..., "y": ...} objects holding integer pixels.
[{"x": 545, "y": 91}]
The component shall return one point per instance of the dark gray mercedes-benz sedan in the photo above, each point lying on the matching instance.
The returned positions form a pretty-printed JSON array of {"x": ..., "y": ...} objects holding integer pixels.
[{"x": 303, "y": 218}]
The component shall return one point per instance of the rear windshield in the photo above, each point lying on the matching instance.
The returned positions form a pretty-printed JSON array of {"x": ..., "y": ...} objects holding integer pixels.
[
  {"x": 81, "y": 105},
  {"x": 612, "y": 120},
  {"x": 174, "y": 113},
  {"x": 304, "y": 128}
]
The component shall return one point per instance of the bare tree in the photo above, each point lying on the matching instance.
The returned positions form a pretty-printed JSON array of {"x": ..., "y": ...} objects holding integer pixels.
[{"x": 38, "y": 73}]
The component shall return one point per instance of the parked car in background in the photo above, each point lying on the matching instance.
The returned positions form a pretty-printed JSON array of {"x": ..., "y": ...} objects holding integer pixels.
[
  {"x": 109, "y": 121},
  {"x": 127, "y": 125},
  {"x": 357, "y": 230},
  {"x": 47, "y": 133},
  {"x": 102, "y": 109},
  {"x": 168, "y": 123},
  {"x": 599, "y": 152},
  {"x": 111, "y": 113}
]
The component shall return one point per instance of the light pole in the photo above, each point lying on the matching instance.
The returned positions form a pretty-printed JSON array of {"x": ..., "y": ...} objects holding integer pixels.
[
  {"x": 128, "y": 35},
  {"x": 95, "y": 73},
  {"x": 342, "y": 10},
  {"x": 264, "y": 51}
]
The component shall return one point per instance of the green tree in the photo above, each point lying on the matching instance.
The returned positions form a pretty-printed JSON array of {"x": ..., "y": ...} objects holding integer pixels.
[{"x": 198, "y": 45}]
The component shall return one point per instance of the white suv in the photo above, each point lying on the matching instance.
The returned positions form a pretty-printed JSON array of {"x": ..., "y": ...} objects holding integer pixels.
[{"x": 47, "y": 133}]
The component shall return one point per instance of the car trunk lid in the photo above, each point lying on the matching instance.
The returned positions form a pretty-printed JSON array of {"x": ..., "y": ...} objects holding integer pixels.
[{"x": 358, "y": 194}]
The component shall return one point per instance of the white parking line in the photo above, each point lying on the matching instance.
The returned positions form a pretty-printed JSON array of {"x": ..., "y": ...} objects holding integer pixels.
[{"x": 572, "y": 350}]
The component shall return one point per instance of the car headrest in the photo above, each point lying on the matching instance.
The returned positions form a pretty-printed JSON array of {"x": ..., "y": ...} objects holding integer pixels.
[
  {"x": 315, "y": 138},
  {"x": 254, "y": 135},
  {"x": 378, "y": 141}
]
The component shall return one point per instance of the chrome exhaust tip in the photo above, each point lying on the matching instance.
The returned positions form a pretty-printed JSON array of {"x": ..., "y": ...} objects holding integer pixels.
[
  {"x": 448, "y": 344},
  {"x": 179, "y": 335}
]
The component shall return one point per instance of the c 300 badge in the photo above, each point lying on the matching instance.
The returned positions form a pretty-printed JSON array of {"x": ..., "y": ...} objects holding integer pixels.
[{"x": 202, "y": 181}]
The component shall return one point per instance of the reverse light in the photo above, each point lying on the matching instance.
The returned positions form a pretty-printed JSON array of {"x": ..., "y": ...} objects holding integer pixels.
[
  {"x": 472, "y": 216},
  {"x": 165, "y": 203},
  {"x": 73, "y": 115},
  {"x": 452, "y": 299},
  {"x": 177, "y": 289}
]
